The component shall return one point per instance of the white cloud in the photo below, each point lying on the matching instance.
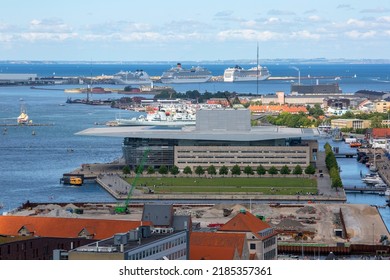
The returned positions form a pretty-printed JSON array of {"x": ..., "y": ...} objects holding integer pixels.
[
  {"x": 354, "y": 34},
  {"x": 345, "y": 7},
  {"x": 42, "y": 36},
  {"x": 357, "y": 23},
  {"x": 272, "y": 20},
  {"x": 225, "y": 13},
  {"x": 280, "y": 12},
  {"x": 6, "y": 38},
  {"x": 385, "y": 19},
  {"x": 247, "y": 34},
  {"x": 249, "y": 23},
  {"x": 314, "y": 18},
  {"x": 226, "y": 16},
  {"x": 52, "y": 25},
  {"x": 305, "y": 34}
]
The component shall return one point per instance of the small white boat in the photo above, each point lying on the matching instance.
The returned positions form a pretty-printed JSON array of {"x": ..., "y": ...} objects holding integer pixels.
[
  {"x": 381, "y": 185},
  {"x": 373, "y": 168},
  {"x": 372, "y": 179}
]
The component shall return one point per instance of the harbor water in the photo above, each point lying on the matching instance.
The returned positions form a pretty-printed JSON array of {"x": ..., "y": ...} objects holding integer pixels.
[{"x": 33, "y": 158}]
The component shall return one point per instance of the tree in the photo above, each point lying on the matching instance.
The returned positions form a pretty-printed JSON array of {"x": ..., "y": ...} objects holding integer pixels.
[
  {"x": 163, "y": 170},
  {"x": 310, "y": 170},
  {"x": 285, "y": 170},
  {"x": 126, "y": 169},
  {"x": 236, "y": 170},
  {"x": 223, "y": 170},
  {"x": 199, "y": 170},
  {"x": 211, "y": 170},
  {"x": 174, "y": 170},
  {"x": 139, "y": 169},
  {"x": 260, "y": 170},
  {"x": 297, "y": 170},
  {"x": 272, "y": 170},
  {"x": 376, "y": 121},
  {"x": 150, "y": 170},
  {"x": 248, "y": 170},
  {"x": 187, "y": 170}
]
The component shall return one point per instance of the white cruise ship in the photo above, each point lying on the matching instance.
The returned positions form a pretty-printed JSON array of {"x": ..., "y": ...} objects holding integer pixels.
[
  {"x": 178, "y": 75},
  {"x": 139, "y": 77},
  {"x": 158, "y": 119},
  {"x": 239, "y": 74}
]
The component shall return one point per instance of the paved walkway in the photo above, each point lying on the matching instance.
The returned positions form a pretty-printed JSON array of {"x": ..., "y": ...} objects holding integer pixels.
[{"x": 324, "y": 183}]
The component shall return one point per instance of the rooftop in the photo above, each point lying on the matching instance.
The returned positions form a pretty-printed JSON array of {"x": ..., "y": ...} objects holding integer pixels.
[
  {"x": 218, "y": 125},
  {"x": 70, "y": 227}
]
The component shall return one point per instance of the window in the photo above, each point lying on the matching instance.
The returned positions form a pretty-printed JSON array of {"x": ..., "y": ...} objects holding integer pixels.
[{"x": 252, "y": 246}]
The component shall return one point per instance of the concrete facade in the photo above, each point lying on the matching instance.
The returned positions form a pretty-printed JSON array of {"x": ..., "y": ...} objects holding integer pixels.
[
  {"x": 133, "y": 246},
  {"x": 253, "y": 156},
  {"x": 350, "y": 123}
]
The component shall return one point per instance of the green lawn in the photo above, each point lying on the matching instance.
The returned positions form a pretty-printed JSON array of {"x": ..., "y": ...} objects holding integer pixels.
[{"x": 266, "y": 185}]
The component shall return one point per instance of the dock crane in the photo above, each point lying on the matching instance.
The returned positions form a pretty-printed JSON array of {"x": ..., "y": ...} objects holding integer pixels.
[{"x": 122, "y": 209}]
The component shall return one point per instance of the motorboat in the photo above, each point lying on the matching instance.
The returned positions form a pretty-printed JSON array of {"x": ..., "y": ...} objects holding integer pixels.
[{"x": 372, "y": 179}]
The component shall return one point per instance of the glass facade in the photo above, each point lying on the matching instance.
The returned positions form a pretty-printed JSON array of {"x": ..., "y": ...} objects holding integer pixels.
[{"x": 161, "y": 151}]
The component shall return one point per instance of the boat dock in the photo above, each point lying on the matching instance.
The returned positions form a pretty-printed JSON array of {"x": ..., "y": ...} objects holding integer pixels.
[
  {"x": 345, "y": 155},
  {"x": 29, "y": 124},
  {"x": 373, "y": 190}
]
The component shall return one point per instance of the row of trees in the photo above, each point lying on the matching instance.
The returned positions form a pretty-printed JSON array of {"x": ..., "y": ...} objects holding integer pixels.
[
  {"x": 333, "y": 167},
  {"x": 223, "y": 170}
]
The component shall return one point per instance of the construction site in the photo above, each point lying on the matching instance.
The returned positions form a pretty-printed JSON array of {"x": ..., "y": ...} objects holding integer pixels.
[{"x": 322, "y": 228}]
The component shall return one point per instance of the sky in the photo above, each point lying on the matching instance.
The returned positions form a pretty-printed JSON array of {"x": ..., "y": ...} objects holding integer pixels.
[{"x": 178, "y": 30}]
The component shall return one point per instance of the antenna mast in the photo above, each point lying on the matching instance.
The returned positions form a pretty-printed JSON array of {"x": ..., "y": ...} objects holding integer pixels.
[{"x": 257, "y": 72}]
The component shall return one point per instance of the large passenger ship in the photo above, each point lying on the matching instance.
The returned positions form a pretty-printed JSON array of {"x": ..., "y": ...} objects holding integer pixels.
[
  {"x": 177, "y": 75},
  {"x": 158, "y": 119},
  {"x": 239, "y": 74},
  {"x": 138, "y": 77}
]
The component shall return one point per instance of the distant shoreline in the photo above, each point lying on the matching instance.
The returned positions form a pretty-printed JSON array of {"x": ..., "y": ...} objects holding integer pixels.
[{"x": 226, "y": 61}]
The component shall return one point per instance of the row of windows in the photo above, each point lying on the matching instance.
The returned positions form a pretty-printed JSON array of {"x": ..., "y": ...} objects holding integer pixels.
[
  {"x": 157, "y": 249},
  {"x": 240, "y": 157},
  {"x": 270, "y": 255},
  {"x": 266, "y": 232},
  {"x": 180, "y": 254},
  {"x": 269, "y": 242},
  {"x": 242, "y": 162},
  {"x": 244, "y": 152}
]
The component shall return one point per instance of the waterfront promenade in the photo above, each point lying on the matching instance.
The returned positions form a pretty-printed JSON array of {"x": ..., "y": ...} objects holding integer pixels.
[{"x": 109, "y": 177}]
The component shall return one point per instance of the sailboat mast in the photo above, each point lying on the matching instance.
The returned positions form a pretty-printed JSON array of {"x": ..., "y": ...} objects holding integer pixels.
[{"x": 257, "y": 72}]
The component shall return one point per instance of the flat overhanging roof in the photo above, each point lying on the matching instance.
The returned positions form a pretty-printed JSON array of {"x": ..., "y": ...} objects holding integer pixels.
[{"x": 190, "y": 133}]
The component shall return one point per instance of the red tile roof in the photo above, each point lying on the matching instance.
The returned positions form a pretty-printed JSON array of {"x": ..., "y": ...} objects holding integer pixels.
[
  {"x": 216, "y": 245},
  {"x": 278, "y": 108},
  {"x": 65, "y": 227},
  {"x": 380, "y": 132},
  {"x": 245, "y": 222}
]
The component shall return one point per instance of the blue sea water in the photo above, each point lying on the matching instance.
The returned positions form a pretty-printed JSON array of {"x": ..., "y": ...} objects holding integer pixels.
[{"x": 32, "y": 165}]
